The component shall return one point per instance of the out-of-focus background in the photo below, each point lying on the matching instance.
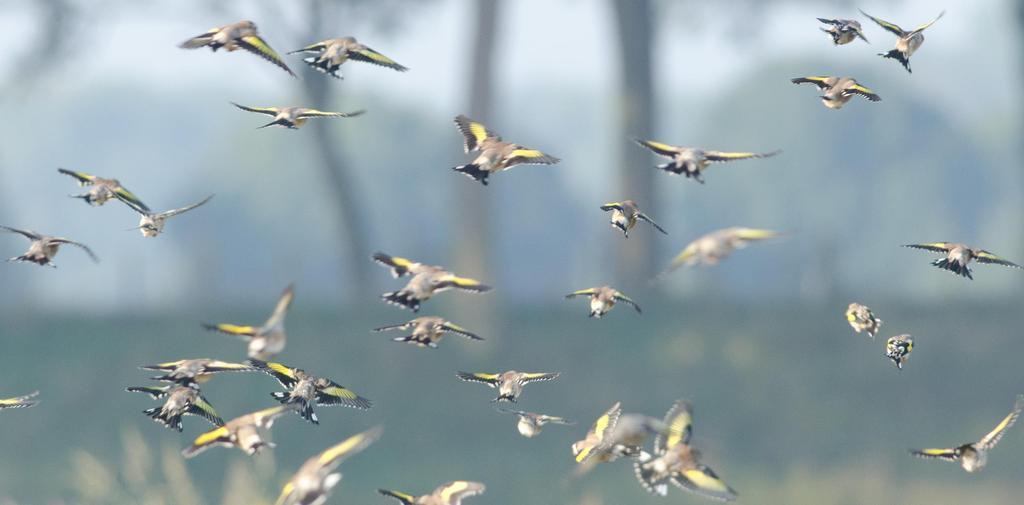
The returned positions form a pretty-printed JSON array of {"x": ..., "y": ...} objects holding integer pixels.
[{"x": 791, "y": 406}]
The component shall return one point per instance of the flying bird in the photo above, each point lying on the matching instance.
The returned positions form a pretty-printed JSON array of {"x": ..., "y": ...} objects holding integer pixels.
[
  {"x": 973, "y": 456},
  {"x": 898, "y": 349},
  {"x": 531, "y": 423},
  {"x": 907, "y": 43},
  {"x": 625, "y": 214},
  {"x": 675, "y": 460},
  {"x": 188, "y": 371},
  {"x": 861, "y": 319},
  {"x": 427, "y": 331},
  {"x": 43, "y": 248},
  {"x": 243, "y": 432},
  {"x": 691, "y": 162},
  {"x": 495, "y": 155},
  {"x": 293, "y": 117},
  {"x": 837, "y": 90},
  {"x": 306, "y": 390},
  {"x": 451, "y": 493},
  {"x": 101, "y": 190},
  {"x": 267, "y": 340},
  {"x": 602, "y": 299},
  {"x": 843, "y": 31},
  {"x": 313, "y": 483},
  {"x": 180, "y": 400},
  {"x": 959, "y": 256},
  {"x": 332, "y": 53},
  {"x": 509, "y": 384},
  {"x": 242, "y": 34},
  {"x": 152, "y": 224},
  {"x": 597, "y": 443},
  {"x": 19, "y": 402},
  {"x": 426, "y": 281},
  {"x": 718, "y": 245}
]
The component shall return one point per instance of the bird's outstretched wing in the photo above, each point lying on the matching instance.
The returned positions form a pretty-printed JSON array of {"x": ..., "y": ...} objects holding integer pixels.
[
  {"x": 643, "y": 217},
  {"x": 454, "y": 328},
  {"x": 334, "y": 455},
  {"x": 992, "y": 438},
  {"x": 202, "y": 408},
  {"x": 491, "y": 379},
  {"x": 270, "y": 111},
  {"x": 284, "y": 374},
  {"x": 581, "y": 292},
  {"x": 945, "y": 454},
  {"x": 721, "y": 156},
  {"x": 368, "y": 55},
  {"x": 529, "y": 377},
  {"x": 934, "y": 246},
  {"x": 922, "y": 28},
  {"x": 474, "y": 132},
  {"x": 31, "y": 235},
  {"x": 822, "y": 82},
  {"x": 455, "y": 491},
  {"x": 703, "y": 481},
  {"x": 863, "y": 91},
  {"x": 79, "y": 245},
  {"x": 256, "y": 45},
  {"x": 987, "y": 257},
  {"x": 679, "y": 420},
  {"x": 175, "y": 212},
  {"x": 308, "y": 113},
  {"x": 625, "y": 299},
  {"x": 890, "y": 27},
  {"x": 336, "y": 394},
  {"x": 524, "y": 156}
]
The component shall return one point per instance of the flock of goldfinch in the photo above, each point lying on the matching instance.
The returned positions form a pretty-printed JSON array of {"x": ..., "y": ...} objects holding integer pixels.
[{"x": 614, "y": 435}]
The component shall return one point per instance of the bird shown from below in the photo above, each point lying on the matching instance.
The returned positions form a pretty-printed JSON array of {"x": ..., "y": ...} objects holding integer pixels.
[
  {"x": 20, "y": 402},
  {"x": 973, "y": 456},
  {"x": 906, "y": 42},
  {"x": 691, "y": 162},
  {"x": 602, "y": 299},
  {"x": 306, "y": 390},
  {"x": 43, "y": 248},
  {"x": 427, "y": 331},
  {"x": 625, "y": 215},
  {"x": 242, "y": 34},
  {"x": 267, "y": 340},
  {"x": 898, "y": 349},
  {"x": 495, "y": 155},
  {"x": 843, "y": 31},
  {"x": 152, "y": 224},
  {"x": 180, "y": 400},
  {"x": 675, "y": 460},
  {"x": 101, "y": 190},
  {"x": 509, "y": 384},
  {"x": 243, "y": 432},
  {"x": 332, "y": 53},
  {"x": 426, "y": 281},
  {"x": 861, "y": 319},
  {"x": 837, "y": 90},
  {"x": 530, "y": 424},
  {"x": 716, "y": 246},
  {"x": 198, "y": 371},
  {"x": 313, "y": 483},
  {"x": 451, "y": 493},
  {"x": 596, "y": 445},
  {"x": 959, "y": 256},
  {"x": 293, "y": 117}
]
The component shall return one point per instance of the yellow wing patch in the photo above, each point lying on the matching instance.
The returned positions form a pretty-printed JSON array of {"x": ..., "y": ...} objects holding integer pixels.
[
  {"x": 339, "y": 392},
  {"x": 659, "y": 147},
  {"x": 374, "y": 55},
  {"x": 679, "y": 428},
  {"x": 704, "y": 481},
  {"x": 286, "y": 491},
  {"x": 210, "y": 436},
  {"x": 281, "y": 369},
  {"x": 755, "y": 234},
  {"x": 526, "y": 153},
  {"x": 236, "y": 329},
  {"x": 257, "y": 45},
  {"x": 478, "y": 131}
]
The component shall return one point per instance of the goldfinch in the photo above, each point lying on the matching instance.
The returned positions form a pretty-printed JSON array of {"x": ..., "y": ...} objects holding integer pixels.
[
  {"x": 330, "y": 54},
  {"x": 602, "y": 299},
  {"x": 426, "y": 281},
  {"x": 495, "y": 155},
  {"x": 861, "y": 319},
  {"x": 239, "y": 35},
  {"x": 293, "y": 117},
  {"x": 43, "y": 248},
  {"x": 973, "y": 456},
  {"x": 198, "y": 371},
  {"x": 959, "y": 256},
  {"x": 152, "y": 224},
  {"x": 101, "y": 190},
  {"x": 906, "y": 42},
  {"x": 625, "y": 214},
  {"x": 718, "y": 245},
  {"x": 690, "y": 161},
  {"x": 836, "y": 91},
  {"x": 509, "y": 384},
  {"x": 597, "y": 443},
  {"x": 180, "y": 400},
  {"x": 427, "y": 331},
  {"x": 530, "y": 424},
  {"x": 898, "y": 349},
  {"x": 245, "y": 433},
  {"x": 313, "y": 483},
  {"x": 451, "y": 493},
  {"x": 306, "y": 390},
  {"x": 267, "y": 340},
  {"x": 843, "y": 31}
]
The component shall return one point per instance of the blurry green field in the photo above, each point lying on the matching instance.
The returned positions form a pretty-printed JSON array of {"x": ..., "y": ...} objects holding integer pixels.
[{"x": 791, "y": 406}]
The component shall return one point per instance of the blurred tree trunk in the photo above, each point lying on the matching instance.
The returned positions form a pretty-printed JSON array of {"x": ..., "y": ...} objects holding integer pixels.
[
  {"x": 351, "y": 233},
  {"x": 636, "y": 260},
  {"x": 472, "y": 218}
]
